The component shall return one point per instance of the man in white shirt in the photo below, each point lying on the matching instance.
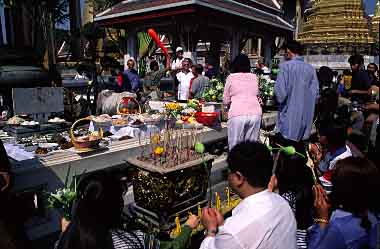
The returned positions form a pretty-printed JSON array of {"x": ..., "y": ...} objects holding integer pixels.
[
  {"x": 184, "y": 78},
  {"x": 177, "y": 63},
  {"x": 263, "y": 219}
]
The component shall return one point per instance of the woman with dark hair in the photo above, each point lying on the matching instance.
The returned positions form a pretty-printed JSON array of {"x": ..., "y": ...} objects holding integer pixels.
[
  {"x": 354, "y": 201},
  {"x": 294, "y": 182},
  {"x": 240, "y": 97},
  {"x": 325, "y": 76},
  {"x": 96, "y": 222}
]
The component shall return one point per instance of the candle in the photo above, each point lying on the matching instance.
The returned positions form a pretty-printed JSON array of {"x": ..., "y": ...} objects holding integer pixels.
[
  {"x": 178, "y": 225},
  {"x": 199, "y": 211},
  {"x": 217, "y": 201},
  {"x": 228, "y": 194}
]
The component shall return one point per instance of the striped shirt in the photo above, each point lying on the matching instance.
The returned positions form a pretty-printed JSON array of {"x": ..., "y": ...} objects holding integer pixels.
[
  {"x": 137, "y": 240},
  {"x": 301, "y": 234}
]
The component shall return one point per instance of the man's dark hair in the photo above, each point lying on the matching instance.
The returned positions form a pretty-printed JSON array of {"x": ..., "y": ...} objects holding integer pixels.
[
  {"x": 153, "y": 64},
  {"x": 336, "y": 134},
  {"x": 188, "y": 60},
  {"x": 254, "y": 161},
  {"x": 198, "y": 68},
  {"x": 374, "y": 65},
  {"x": 356, "y": 59},
  {"x": 241, "y": 64},
  {"x": 295, "y": 47}
]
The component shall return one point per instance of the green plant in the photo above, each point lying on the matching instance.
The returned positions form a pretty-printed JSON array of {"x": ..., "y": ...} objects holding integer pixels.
[
  {"x": 214, "y": 93},
  {"x": 63, "y": 199},
  {"x": 266, "y": 87}
]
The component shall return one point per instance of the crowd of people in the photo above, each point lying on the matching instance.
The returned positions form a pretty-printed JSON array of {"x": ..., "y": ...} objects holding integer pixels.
[
  {"x": 324, "y": 196},
  {"x": 190, "y": 79}
]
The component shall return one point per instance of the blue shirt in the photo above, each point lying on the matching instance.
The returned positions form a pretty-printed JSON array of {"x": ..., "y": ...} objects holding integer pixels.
[
  {"x": 344, "y": 231},
  {"x": 296, "y": 91},
  {"x": 133, "y": 79}
]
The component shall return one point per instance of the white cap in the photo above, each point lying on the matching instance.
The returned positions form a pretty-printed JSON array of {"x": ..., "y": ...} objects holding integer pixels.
[{"x": 179, "y": 49}]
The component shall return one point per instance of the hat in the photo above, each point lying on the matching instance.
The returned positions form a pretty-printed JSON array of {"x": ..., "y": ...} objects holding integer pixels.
[{"x": 179, "y": 49}]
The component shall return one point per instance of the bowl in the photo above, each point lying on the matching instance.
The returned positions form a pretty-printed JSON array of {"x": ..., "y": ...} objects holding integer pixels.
[{"x": 206, "y": 118}]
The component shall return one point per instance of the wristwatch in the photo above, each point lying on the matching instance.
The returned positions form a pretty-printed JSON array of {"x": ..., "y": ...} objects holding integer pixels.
[{"x": 211, "y": 232}]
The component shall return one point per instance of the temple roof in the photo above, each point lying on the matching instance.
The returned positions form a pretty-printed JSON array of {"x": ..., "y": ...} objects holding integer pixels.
[{"x": 249, "y": 9}]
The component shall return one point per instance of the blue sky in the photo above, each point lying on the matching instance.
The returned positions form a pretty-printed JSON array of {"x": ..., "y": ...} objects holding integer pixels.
[{"x": 370, "y": 6}]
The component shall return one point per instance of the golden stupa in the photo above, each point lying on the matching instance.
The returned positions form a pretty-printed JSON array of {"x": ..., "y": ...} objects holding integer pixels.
[
  {"x": 336, "y": 23},
  {"x": 376, "y": 22}
]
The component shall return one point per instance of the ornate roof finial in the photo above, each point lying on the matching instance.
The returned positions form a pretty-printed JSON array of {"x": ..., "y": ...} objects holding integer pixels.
[{"x": 377, "y": 8}]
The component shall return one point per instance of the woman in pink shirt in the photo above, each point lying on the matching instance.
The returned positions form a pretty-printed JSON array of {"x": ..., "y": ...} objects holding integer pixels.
[{"x": 240, "y": 97}]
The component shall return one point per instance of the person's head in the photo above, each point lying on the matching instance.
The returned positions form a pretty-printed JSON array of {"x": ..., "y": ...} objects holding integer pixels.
[
  {"x": 179, "y": 52},
  {"x": 241, "y": 64},
  {"x": 372, "y": 68},
  {"x": 328, "y": 102},
  {"x": 293, "y": 49},
  {"x": 294, "y": 177},
  {"x": 250, "y": 165},
  {"x": 97, "y": 210},
  {"x": 197, "y": 69},
  {"x": 186, "y": 64},
  {"x": 131, "y": 64},
  {"x": 154, "y": 66},
  {"x": 355, "y": 187},
  {"x": 325, "y": 76},
  {"x": 356, "y": 62},
  {"x": 260, "y": 63},
  {"x": 334, "y": 136}
]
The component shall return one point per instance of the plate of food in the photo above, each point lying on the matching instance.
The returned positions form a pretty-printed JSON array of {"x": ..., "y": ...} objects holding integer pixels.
[
  {"x": 56, "y": 120},
  {"x": 30, "y": 124},
  {"x": 118, "y": 123},
  {"x": 15, "y": 121},
  {"x": 48, "y": 146},
  {"x": 136, "y": 124}
]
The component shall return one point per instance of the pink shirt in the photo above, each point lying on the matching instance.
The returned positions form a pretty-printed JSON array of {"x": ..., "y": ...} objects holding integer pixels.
[{"x": 240, "y": 93}]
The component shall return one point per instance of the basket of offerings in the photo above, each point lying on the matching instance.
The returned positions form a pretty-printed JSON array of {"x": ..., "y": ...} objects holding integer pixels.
[
  {"x": 128, "y": 105},
  {"x": 87, "y": 140}
]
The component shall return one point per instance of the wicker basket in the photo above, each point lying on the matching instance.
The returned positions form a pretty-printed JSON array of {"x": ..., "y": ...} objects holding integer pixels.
[
  {"x": 127, "y": 102},
  {"x": 88, "y": 141}
]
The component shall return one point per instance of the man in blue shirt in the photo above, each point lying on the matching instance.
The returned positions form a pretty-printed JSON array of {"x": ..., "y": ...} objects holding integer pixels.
[
  {"x": 131, "y": 79},
  {"x": 296, "y": 91}
]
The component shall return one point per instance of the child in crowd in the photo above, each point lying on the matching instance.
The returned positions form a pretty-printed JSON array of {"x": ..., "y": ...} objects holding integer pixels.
[
  {"x": 333, "y": 138},
  {"x": 294, "y": 181}
]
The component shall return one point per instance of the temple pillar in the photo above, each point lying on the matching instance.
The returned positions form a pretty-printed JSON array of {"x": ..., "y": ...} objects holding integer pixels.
[
  {"x": 259, "y": 46},
  {"x": 267, "y": 53},
  {"x": 235, "y": 44},
  {"x": 75, "y": 24},
  {"x": 3, "y": 30},
  {"x": 132, "y": 43}
]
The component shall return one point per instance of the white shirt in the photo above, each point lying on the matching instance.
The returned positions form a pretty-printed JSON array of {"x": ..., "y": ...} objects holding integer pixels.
[
  {"x": 261, "y": 221},
  {"x": 177, "y": 63},
  {"x": 184, "y": 85}
]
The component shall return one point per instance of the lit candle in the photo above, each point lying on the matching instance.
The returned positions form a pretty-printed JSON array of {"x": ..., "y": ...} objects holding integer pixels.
[
  {"x": 178, "y": 225},
  {"x": 217, "y": 201},
  {"x": 199, "y": 211},
  {"x": 228, "y": 194}
]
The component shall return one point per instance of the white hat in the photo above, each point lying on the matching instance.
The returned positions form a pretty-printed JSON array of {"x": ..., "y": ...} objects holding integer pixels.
[{"x": 179, "y": 49}]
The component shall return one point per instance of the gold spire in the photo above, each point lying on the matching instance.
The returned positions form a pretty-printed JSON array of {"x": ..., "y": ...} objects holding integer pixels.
[
  {"x": 377, "y": 9},
  {"x": 338, "y": 21},
  {"x": 376, "y": 22}
]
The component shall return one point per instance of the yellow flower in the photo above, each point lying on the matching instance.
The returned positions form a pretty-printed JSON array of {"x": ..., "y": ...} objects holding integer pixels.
[
  {"x": 158, "y": 151},
  {"x": 156, "y": 139}
]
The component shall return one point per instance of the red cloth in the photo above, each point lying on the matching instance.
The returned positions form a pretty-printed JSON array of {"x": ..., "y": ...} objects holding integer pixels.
[
  {"x": 120, "y": 79},
  {"x": 327, "y": 175}
]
